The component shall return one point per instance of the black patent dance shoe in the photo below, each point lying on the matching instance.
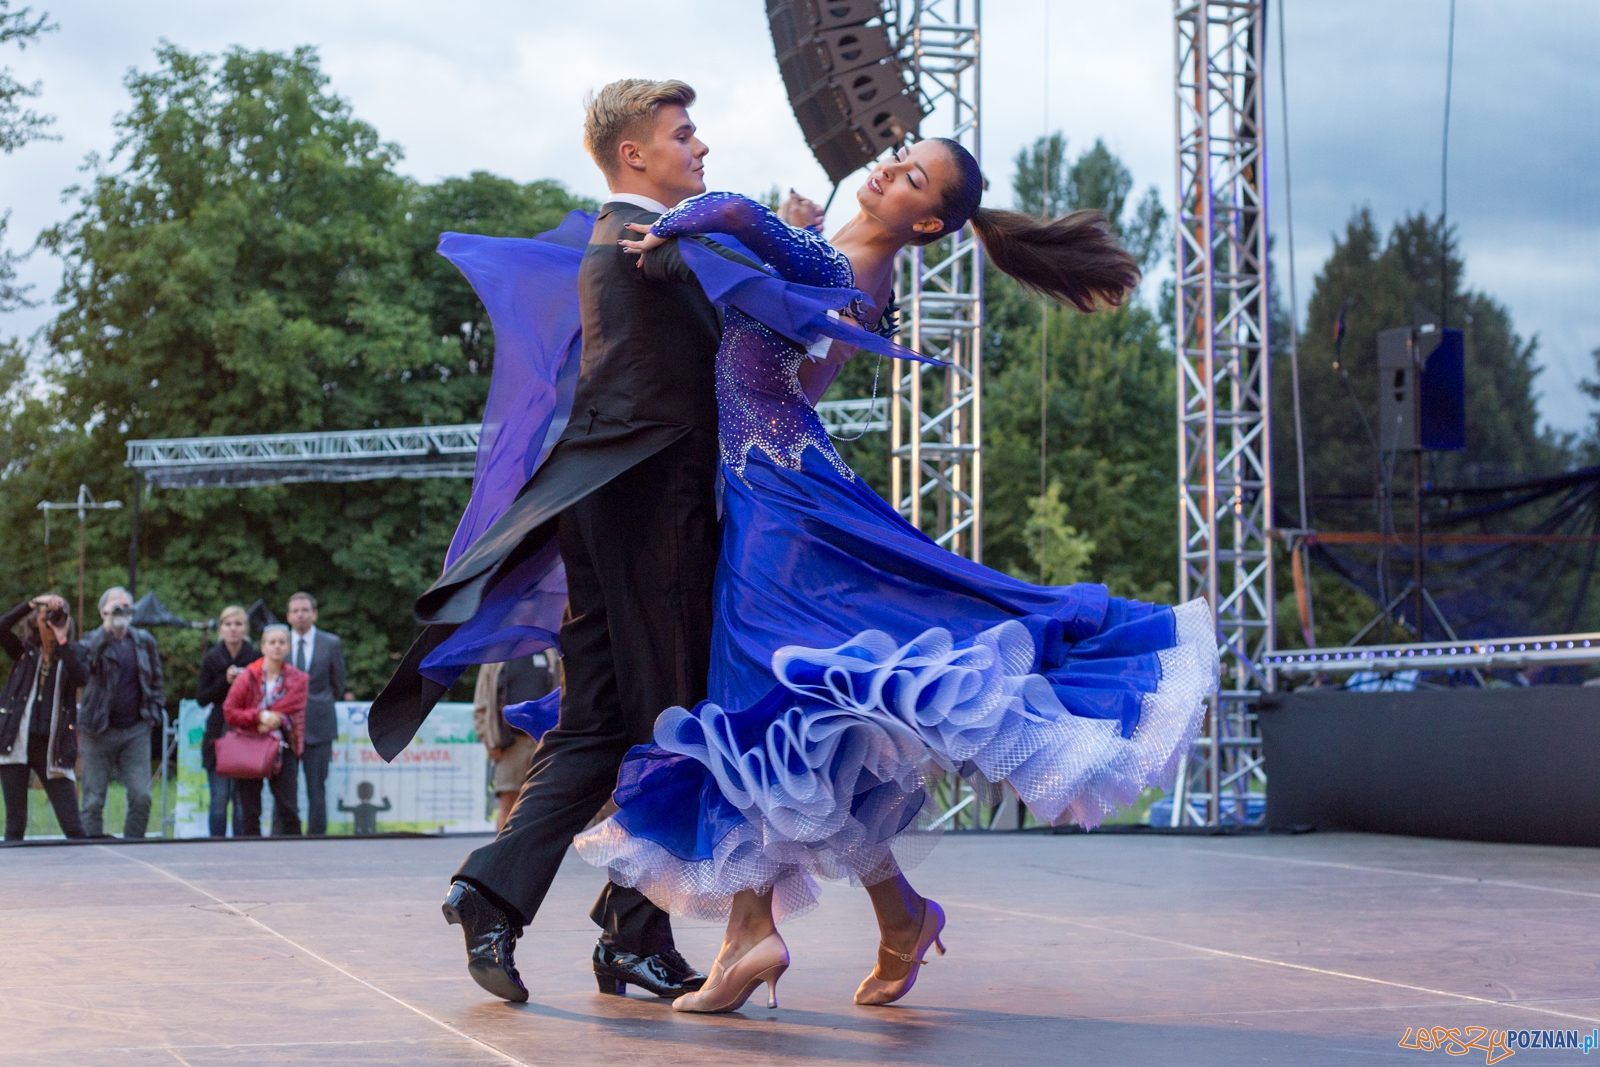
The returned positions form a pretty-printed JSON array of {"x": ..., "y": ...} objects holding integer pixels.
[
  {"x": 665, "y": 974},
  {"x": 679, "y": 969},
  {"x": 490, "y": 938}
]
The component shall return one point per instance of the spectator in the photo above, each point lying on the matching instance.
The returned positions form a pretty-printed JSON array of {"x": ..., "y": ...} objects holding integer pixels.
[
  {"x": 270, "y": 695},
  {"x": 500, "y": 684},
  {"x": 123, "y": 697},
  {"x": 319, "y": 654},
  {"x": 221, "y": 665},
  {"x": 39, "y": 713}
]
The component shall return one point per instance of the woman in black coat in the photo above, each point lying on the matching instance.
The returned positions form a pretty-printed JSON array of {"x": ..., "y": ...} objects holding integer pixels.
[
  {"x": 222, "y": 664},
  {"x": 39, "y": 712}
]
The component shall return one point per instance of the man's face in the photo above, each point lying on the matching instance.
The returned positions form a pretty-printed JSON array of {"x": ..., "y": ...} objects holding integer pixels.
[
  {"x": 114, "y": 619},
  {"x": 301, "y": 615},
  {"x": 673, "y": 157}
]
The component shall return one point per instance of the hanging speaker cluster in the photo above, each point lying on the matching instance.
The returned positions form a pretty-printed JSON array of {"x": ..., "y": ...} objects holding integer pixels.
[{"x": 844, "y": 80}]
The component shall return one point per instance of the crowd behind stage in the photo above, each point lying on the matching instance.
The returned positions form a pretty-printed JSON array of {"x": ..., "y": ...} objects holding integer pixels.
[{"x": 77, "y": 713}]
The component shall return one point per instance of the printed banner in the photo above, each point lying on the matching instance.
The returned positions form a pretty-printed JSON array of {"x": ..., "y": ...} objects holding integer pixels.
[{"x": 438, "y": 785}]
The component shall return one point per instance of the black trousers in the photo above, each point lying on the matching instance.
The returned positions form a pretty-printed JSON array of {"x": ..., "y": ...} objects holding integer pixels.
[
  {"x": 315, "y": 760},
  {"x": 640, "y": 555},
  {"x": 285, "y": 787},
  {"x": 63, "y": 793}
]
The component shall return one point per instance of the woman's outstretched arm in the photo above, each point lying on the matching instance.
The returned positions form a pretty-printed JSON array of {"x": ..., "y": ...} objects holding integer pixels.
[{"x": 799, "y": 255}]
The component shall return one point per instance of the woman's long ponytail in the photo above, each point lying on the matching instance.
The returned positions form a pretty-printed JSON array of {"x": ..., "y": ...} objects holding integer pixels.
[{"x": 1074, "y": 259}]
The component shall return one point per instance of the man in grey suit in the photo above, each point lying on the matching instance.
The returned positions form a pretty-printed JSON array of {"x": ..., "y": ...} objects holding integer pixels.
[{"x": 320, "y": 655}]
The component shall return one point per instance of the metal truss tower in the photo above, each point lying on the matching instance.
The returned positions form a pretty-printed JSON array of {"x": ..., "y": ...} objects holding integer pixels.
[
  {"x": 936, "y": 413},
  {"x": 1224, "y": 382}
]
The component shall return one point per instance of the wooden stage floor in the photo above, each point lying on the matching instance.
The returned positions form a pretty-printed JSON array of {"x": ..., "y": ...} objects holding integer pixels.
[{"x": 1085, "y": 949}]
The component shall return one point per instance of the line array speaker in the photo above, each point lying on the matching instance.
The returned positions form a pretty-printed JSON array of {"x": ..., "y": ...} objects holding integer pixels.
[{"x": 845, "y": 84}]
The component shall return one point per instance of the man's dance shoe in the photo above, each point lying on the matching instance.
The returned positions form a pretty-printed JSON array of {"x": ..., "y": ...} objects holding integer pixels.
[
  {"x": 490, "y": 941},
  {"x": 729, "y": 988},
  {"x": 666, "y": 974},
  {"x": 877, "y": 990}
]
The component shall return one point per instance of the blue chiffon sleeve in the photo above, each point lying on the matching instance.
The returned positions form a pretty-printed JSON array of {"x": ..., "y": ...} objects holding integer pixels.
[
  {"x": 798, "y": 255},
  {"x": 530, "y": 289},
  {"x": 776, "y": 293}
]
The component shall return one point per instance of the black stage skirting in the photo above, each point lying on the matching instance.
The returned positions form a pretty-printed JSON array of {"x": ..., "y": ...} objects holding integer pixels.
[{"x": 1519, "y": 765}]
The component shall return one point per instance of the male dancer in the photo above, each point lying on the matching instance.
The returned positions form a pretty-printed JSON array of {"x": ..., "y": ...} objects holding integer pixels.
[{"x": 629, "y": 490}]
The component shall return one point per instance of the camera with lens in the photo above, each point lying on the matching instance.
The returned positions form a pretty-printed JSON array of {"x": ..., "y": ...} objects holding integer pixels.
[{"x": 56, "y": 616}]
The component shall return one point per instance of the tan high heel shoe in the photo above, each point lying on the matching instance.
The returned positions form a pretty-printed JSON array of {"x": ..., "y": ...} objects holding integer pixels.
[
  {"x": 875, "y": 990},
  {"x": 727, "y": 990}
]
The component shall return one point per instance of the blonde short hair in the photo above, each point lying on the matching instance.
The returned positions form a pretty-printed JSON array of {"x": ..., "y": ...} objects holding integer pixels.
[
  {"x": 230, "y": 611},
  {"x": 620, "y": 109}
]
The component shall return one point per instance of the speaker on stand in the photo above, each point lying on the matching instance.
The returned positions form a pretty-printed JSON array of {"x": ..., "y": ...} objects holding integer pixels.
[{"x": 1422, "y": 407}]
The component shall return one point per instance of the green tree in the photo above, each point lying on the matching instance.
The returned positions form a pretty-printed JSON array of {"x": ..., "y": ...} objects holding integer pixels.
[
  {"x": 1108, "y": 410},
  {"x": 252, "y": 263},
  {"x": 1062, "y": 554},
  {"x": 19, "y": 125}
]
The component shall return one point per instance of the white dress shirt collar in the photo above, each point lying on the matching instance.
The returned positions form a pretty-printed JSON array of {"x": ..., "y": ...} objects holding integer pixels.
[{"x": 638, "y": 201}]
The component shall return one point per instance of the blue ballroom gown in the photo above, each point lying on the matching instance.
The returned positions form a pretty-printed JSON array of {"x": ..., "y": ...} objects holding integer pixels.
[{"x": 852, "y": 657}]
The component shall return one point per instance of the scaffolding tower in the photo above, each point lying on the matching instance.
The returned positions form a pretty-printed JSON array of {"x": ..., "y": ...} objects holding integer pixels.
[
  {"x": 1224, "y": 378},
  {"x": 936, "y": 413}
]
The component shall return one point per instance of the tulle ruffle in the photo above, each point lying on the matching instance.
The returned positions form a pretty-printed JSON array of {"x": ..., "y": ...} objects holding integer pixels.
[{"x": 827, "y": 772}]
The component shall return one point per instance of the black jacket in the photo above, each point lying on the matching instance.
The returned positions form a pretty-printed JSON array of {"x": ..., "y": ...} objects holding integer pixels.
[
  {"x": 647, "y": 379},
  {"x": 212, "y": 688},
  {"x": 63, "y": 750},
  {"x": 100, "y": 660}
]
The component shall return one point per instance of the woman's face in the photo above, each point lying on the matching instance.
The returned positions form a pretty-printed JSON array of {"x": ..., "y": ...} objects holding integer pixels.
[
  {"x": 904, "y": 193},
  {"x": 275, "y": 647},
  {"x": 232, "y": 629}
]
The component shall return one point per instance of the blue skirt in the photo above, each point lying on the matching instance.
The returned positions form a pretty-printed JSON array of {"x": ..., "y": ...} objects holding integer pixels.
[{"x": 852, "y": 659}]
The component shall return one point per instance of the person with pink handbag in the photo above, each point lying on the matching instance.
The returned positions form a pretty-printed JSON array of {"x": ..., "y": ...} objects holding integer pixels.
[{"x": 265, "y": 712}]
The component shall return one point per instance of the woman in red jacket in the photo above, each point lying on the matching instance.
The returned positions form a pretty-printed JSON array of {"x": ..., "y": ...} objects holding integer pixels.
[{"x": 270, "y": 696}]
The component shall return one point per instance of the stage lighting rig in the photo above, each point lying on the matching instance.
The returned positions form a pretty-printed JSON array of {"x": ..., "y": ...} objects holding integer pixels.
[{"x": 846, "y": 85}]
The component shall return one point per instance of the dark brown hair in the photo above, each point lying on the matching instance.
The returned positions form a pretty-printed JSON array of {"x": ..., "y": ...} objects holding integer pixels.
[{"x": 1074, "y": 259}]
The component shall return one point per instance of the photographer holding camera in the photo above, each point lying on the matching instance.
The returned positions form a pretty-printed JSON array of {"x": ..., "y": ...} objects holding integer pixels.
[
  {"x": 38, "y": 712},
  {"x": 122, "y": 698}
]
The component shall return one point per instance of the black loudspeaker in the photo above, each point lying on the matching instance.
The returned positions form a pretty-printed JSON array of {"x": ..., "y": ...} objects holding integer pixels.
[
  {"x": 1422, "y": 390},
  {"x": 845, "y": 84}
]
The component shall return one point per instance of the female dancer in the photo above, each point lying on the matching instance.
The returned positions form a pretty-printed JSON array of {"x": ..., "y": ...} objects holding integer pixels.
[{"x": 849, "y": 651}]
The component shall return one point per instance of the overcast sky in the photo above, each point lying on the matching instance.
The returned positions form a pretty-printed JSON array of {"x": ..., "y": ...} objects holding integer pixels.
[{"x": 497, "y": 85}]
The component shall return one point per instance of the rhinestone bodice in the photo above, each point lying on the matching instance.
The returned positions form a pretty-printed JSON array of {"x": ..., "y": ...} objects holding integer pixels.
[{"x": 760, "y": 404}]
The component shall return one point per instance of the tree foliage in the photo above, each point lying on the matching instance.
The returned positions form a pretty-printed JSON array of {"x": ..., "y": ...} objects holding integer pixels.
[
  {"x": 1108, "y": 412},
  {"x": 1061, "y": 552},
  {"x": 19, "y": 125},
  {"x": 1379, "y": 283},
  {"x": 251, "y": 262}
]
